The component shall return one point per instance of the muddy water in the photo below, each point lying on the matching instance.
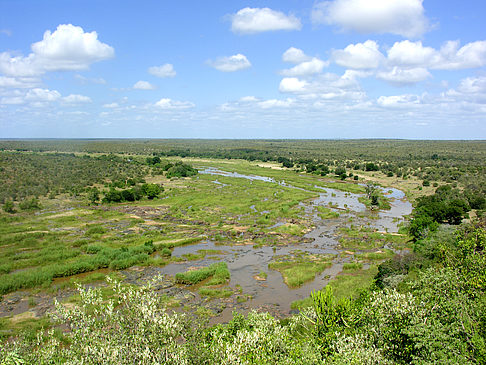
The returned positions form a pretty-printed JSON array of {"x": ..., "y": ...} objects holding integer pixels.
[{"x": 245, "y": 262}]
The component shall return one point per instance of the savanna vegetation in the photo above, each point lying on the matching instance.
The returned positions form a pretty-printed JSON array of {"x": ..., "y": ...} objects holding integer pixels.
[{"x": 121, "y": 251}]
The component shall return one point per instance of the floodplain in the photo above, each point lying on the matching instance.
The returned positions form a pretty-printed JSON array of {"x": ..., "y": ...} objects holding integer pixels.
[{"x": 280, "y": 233}]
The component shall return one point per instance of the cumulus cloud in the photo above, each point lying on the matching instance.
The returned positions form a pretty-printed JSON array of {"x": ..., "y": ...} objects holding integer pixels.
[
  {"x": 295, "y": 55},
  {"x": 399, "y": 101},
  {"x": 408, "y": 53},
  {"x": 230, "y": 64},
  {"x": 169, "y": 104},
  {"x": 305, "y": 68},
  {"x": 452, "y": 57},
  {"x": 76, "y": 99},
  {"x": 404, "y": 76},
  {"x": 257, "y": 20},
  {"x": 449, "y": 57},
  {"x": 143, "y": 85},
  {"x": 402, "y": 17},
  {"x": 163, "y": 71},
  {"x": 67, "y": 48},
  {"x": 472, "y": 85},
  {"x": 359, "y": 56},
  {"x": 292, "y": 85},
  {"x": 42, "y": 95}
]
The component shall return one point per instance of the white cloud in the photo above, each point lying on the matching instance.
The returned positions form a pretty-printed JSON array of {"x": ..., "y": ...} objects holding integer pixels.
[
  {"x": 230, "y": 64},
  {"x": 452, "y": 57},
  {"x": 275, "y": 103},
  {"x": 448, "y": 57},
  {"x": 111, "y": 105},
  {"x": 403, "y": 76},
  {"x": 402, "y": 17},
  {"x": 166, "y": 103},
  {"x": 76, "y": 99},
  {"x": 472, "y": 85},
  {"x": 143, "y": 85},
  {"x": 166, "y": 70},
  {"x": 12, "y": 100},
  {"x": 295, "y": 55},
  {"x": 248, "y": 99},
  {"x": 292, "y": 85},
  {"x": 359, "y": 56},
  {"x": 42, "y": 95},
  {"x": 408, "y": 53},
  {"x": 399, "y": 101},
  {"x": 67, "y": 48},
  {"x": 18, "y": 82},
  {"x": 305, "y": 68},
  {"x": 256, "y": 20}
]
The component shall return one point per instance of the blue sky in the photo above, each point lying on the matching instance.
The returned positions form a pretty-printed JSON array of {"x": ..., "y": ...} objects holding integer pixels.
[{"x": 243, "y": 69}]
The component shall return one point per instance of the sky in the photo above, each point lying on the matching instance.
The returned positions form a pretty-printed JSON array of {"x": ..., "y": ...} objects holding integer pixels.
[{"x": 408, "y": 69}]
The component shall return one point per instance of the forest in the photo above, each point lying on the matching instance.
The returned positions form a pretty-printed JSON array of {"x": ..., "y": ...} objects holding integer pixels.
[{"x": 242, "y": 252}]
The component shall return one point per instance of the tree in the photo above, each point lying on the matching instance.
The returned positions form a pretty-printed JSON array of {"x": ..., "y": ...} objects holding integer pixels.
[
  {"x": 370, "y": 189},
  {"x": 94, "y": 196},
  {"x": 341, "y": 172},
  {"x": 152, "y": 190},
  {"x": 9, "y": 207}
]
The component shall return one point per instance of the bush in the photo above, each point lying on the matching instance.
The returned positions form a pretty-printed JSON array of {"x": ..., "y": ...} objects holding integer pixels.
[
  {"x": 30, "y": 204},
  {"x": 180, "y": 170},
  {"x": 9, "y": 207}
]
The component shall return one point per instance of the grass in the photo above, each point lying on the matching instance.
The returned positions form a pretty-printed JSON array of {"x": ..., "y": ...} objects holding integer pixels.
[
  {"x": 349, "y": 283},
  {"x": 326, "y": 213},
  {"x": 218, "y": 272},
  {"x": 352, "y": 266},
  {"x": 383, "y": 202},
  {"x": 215, "y": 293},
  {"x": 368, "y": 238},
  {"x": 300, "y": 267},
  {"x": 376, "y": 255}
]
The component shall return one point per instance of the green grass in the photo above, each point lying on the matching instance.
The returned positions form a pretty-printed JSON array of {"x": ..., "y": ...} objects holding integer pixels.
[
  {"x": 218, "y": 272},
  {"x": 326, "y": 213},
  {"x": 349, "y": 283},
  {"x": 352, "y": 266},
  {"x": 215, "y": 293},
  {"x": 377, "y": 255},
  {"x": 300, "y": 267},
  {"x": 367, "y": 238}
]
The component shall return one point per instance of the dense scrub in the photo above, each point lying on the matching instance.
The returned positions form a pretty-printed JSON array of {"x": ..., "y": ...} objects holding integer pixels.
[
  {"x": 425, "y": 309},
  {"x": 25, "y": 175},
  {"x": 447, "y": 161}
]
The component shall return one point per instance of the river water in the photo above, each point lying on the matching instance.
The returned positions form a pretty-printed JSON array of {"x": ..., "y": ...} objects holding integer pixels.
[{"x": 245, "y": 262}]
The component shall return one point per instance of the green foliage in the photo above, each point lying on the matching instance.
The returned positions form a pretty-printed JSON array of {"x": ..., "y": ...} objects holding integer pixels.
[
  {"x": 101, "y": 257},
  {"x": 181, "y": 169},
  {"x": 218, "y": 272},
  {"x": 300, "y": 268},
  {"x": 30, "y": 204},
  {"x": 38, "y": 174},
  {"x": 9, "y": 207},
  {"x": 152, "y": 191},
  {"x": 446, "y": 205},
  {"x": 341, "y": 172}
]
